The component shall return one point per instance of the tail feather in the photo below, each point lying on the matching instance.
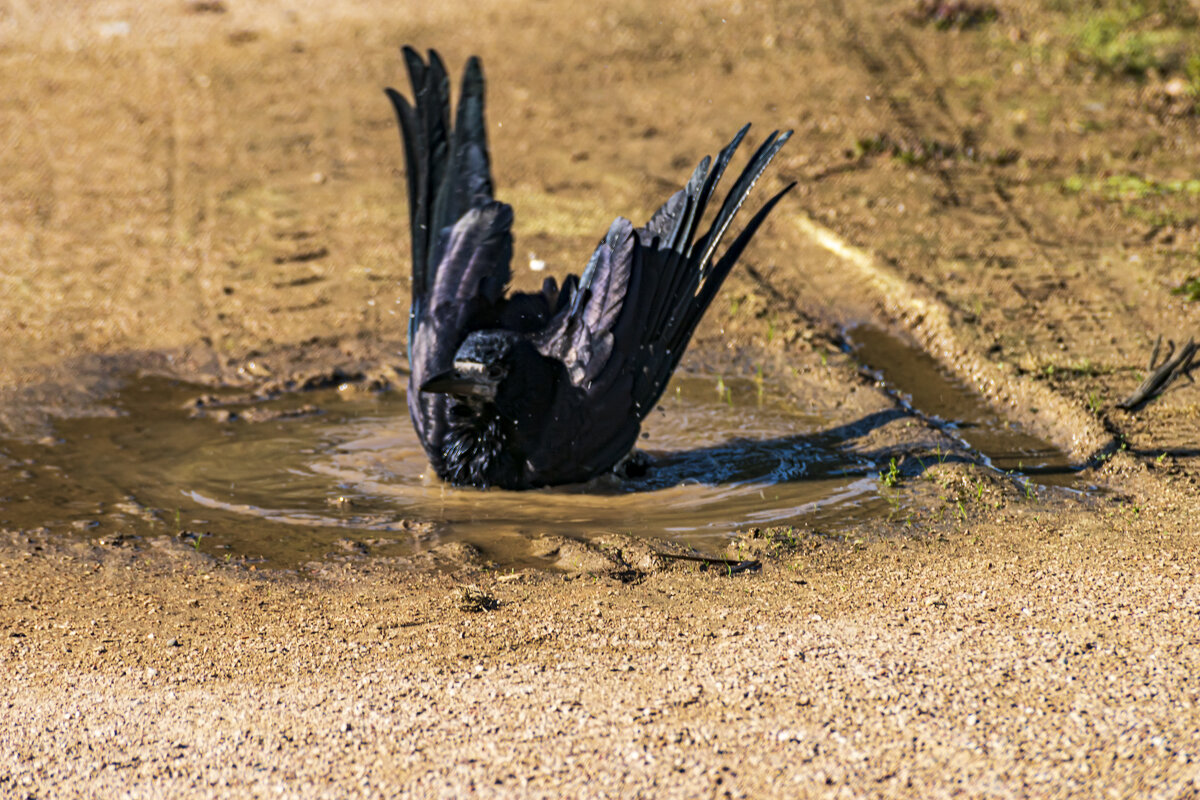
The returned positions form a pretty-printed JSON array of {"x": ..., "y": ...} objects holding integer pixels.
[
  {"x": 688, "y": 220},
  {"x": 666, "y": 283},
  {"x": 688, "y": 208},
  {"x": 684, "y": 280},
  {"x": 662, "y": 223}
]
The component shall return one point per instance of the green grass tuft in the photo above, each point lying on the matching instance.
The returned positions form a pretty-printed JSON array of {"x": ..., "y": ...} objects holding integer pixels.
[{"x": 1190, "y": 289}]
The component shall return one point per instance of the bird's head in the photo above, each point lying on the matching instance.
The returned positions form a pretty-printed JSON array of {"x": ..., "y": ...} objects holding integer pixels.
[{"x": 481, "y": 364}]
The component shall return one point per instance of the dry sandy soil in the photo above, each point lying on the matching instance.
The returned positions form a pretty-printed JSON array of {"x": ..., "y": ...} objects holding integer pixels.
[{"x": 211, "y": 190}]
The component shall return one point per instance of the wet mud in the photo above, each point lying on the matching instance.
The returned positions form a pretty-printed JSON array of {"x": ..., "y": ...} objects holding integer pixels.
[{"x": 929, "y": 390}]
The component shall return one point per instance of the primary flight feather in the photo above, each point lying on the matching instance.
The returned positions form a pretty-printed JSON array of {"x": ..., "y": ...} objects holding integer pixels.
[{"x": 534, "y": 389}]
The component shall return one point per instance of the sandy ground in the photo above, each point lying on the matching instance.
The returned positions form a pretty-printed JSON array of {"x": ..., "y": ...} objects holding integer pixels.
[{"x": 212, "y": 191}]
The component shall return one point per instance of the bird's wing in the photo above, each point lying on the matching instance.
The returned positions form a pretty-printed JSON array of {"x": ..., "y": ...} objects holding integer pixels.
[
  {"x": 468, "y": 289},
  {"x": 623, "y": 327},
  {"x": 682, "y": 271},
  {"x": 591, "y": 424},
  {"x": 461, "y": 236},
  {"x": 449, "y": 179}
]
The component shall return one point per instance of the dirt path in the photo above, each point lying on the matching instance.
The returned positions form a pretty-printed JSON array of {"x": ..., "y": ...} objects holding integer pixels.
[
  {"x": 209, "y": 191},
  {"x": 1017, "y": 657}
]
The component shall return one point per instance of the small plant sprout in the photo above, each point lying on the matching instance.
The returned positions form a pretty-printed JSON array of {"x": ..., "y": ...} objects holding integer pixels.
[
  {"x": 892, "y": 476},
  {"x": 1093, "y": 402},
  {"x": 196, "y": 541},
  {"x": 1189, "y": 289}
]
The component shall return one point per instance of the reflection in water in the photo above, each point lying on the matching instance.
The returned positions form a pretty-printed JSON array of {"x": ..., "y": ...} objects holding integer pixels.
[{"x": 724, "y": 458}]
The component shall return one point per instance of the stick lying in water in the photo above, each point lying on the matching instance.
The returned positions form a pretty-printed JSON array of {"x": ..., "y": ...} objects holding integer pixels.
[
  {"x": 733, "y": 564},
  {"x": 1164, "y": 374}
]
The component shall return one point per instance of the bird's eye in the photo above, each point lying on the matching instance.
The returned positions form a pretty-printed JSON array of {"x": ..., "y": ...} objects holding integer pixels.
[{"x": 495, "y": 371}]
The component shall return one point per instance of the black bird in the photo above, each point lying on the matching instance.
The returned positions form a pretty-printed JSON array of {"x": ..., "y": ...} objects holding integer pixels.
[{"x": 535, "y": 389}]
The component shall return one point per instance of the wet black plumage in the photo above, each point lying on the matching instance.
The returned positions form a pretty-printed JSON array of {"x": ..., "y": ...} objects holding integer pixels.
[{"x": 523, "y": 390}]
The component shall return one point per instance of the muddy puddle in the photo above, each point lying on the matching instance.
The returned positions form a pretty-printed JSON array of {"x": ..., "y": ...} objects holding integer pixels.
[
  {"x": 339, "y": 471},
  {"x": 291, "y": 478},
  {"x": 923, "y": 386}
]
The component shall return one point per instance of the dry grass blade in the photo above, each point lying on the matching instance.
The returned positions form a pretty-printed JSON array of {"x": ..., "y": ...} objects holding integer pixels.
[{"x": 1162, "y": 375}]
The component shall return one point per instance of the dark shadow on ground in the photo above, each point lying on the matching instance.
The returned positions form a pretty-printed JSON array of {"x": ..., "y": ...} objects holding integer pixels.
[{"x": 784, "y": 459}]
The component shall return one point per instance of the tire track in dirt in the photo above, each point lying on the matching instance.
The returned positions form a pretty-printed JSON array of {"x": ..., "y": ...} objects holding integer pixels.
[
  {"x": 1076, "y": 299},
  {"x": 928, "y": 320},
  {"x": 892, "y": 54}
]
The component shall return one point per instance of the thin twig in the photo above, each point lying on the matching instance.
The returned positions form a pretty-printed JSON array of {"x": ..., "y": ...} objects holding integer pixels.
[
  {"x": 1154, "y": 354},
  {"x": 1164, "y": 374},
  {"x": 734, "y": 565}
]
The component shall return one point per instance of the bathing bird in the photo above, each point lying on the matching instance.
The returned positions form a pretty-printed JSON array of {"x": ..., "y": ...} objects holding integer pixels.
[{"x": 521, "y": 390}]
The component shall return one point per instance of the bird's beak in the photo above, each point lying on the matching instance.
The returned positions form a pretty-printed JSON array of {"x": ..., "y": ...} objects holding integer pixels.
[{"x": 454, "y": 382}]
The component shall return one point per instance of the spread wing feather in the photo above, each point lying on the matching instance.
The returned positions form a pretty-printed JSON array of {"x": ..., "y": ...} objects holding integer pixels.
[{"x": 637, "y": 305}]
